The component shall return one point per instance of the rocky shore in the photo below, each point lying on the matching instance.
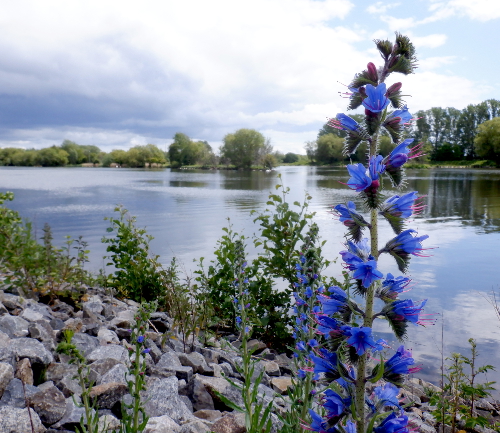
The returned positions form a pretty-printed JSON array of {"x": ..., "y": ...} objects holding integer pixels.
[{"x": 38, "y": 391}]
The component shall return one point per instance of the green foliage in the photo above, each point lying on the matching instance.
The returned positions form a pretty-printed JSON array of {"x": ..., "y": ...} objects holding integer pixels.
[
  {"x": 290, "y": 158},
  {"x": 461, "y": 392},
  {"x": 183, "y": 151},
  {"x": 245, "y": 148},
  {"x": 138, "y": 274},
  {"x": 31, "y": 267},
  {"x": 329, "y": 149},
  {"x": 487, "y": 140}
]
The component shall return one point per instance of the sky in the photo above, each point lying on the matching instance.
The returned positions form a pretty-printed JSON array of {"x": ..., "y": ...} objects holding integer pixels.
[{"x": 117, "y": 74}]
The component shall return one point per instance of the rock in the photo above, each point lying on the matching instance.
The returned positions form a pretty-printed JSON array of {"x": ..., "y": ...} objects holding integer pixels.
[
  {"x": 207, "y": 414},
  {"x": 108, "y": 422},
  {"x": 194, "y": 427},
  {"x": 49, "y": 404},
  {"x": 61, "y": 310},
  {"x": 14, "y": 395},
  {"x": 31, "y": 349},
  {"x": 281, "y": 384},
  {"x": 230, "y": 423},
  {"x": 31, "y": 315},
  {"x": 14, "y": 326},
  {"x": 256, "y": 345},
  {"x": 204, "y": 387},
  {"x": 102, "y": 366},
  {"x": 3, "y": 309},
  {"x": 111, "y": 351},
  {"x": 16, "y": 420},
  {"x": 162, "y": 424},
  {"x": 94, "y": 307},
  {"x": 72, "y": 416},
  {"x": 24, "y": 371},
  {"x": 85, "y": 343},
  {"x": 108, "y": 394},
  {"x": 211, "y": 356},
  {"x": 154, "y": 351},
  {"x": 115, "y": 374},
  {"x": 43, "y": 332},
  {"x": 169, "y": 365},
  {"x": 421, "y": 427},
  {"x": 271, "y": 368},
  {"x": 161, "y": 398},
  {"x": 196, "y": 361},
  {"x": 106, "y": 336},
  {"x": 124, "y": 319},
  {"x": 6, "y": 375},
  {"x": 74, "y": 324}
]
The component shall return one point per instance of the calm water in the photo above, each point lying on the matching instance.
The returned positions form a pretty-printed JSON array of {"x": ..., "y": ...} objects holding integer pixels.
[{"x": 186, "y": 210}]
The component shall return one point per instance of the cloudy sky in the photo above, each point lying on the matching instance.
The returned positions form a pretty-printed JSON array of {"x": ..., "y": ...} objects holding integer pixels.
[{"x": 120, "y": 73}]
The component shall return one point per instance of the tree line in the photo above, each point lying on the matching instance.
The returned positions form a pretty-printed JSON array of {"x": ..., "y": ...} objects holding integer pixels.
[
  {"x": 243, "y": 149},
  {"x": 448, "y": 134}
]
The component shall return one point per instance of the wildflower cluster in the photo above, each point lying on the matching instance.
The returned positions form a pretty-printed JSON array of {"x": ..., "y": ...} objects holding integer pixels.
[{"x": 341, "y": 353}]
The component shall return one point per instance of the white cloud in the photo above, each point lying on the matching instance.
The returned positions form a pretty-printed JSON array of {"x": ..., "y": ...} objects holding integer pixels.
[
  {"x": 430, "y": 41},
  {"x": 435, "y": 62},
  {"x": 381, "y": 7},
  {"x": 480, "y": 10}
]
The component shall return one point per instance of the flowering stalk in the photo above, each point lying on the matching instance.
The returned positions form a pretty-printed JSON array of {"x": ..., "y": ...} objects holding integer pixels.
[
  {"x": 347, "y": 365},
  {"x": 134, "y": 418}
]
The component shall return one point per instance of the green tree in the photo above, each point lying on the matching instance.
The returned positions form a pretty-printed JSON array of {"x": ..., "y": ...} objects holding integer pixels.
[
  {"x": 487, "y": 140},
  {"x": 244, "y": 148},
  {"x": 290, "y": 158},
  {"x": 329, "y": 150},
  {"x": 52, "y": 157}
]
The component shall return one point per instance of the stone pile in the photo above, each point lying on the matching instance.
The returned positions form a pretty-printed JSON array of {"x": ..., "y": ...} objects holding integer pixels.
[{"x": 183, "y": 382}]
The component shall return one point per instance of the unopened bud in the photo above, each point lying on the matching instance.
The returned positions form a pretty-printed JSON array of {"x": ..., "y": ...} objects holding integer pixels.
[
  {"x": 372, "y": 72},
  {"x": 393, "y": 89}
]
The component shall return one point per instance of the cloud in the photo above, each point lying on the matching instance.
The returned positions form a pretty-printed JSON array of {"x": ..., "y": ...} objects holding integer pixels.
[
  {"x": 381, "y": 7},
  {"x": 480, "y": 10}
]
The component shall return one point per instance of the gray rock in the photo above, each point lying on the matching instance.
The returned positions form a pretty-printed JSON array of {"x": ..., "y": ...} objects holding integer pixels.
[
  {"x": 43, "y": 332},
  {"x": 161, "y": 397},
  {"x": 230, "y": 423},
  {"x": 108, "y": 422},
  {"x": 106, "y": 336},
  {"x": 72, "y": 416},
  {"x": 49, "y": 403},
  {"x": 108, "y": 394},
  {"x": 31, "y": 349},
  {"x": 93, "y": 307},
  {"x": 187, "y": 402},
  {"x": 16, "y": 420},
  {"x": 162, "y": 424},
  {"x": 39, "y": 308},
  {"x": 271, "y": 368},
  {"x": 56, "y": 324},
  {"x": 210, "y": 355},
  {"x": 3, "y": 309},
  {"x": 203, "y": 386},
  {"x": 208, "y": 415},
  {"x": 419, "y": 424},
  {"x": 169, "y": 365},
  {"x": 10, "y": 301},
  {"x": 100, "y": 367},
  {"x": 111, "y": 351},
  {"x": 6, "y": 375},
  {"x": 4, "y": 339},
  {"x": 14, "y": 326},
  {"x": 14, "y": 396},
  {"x": 196, "y": 361},
  {"x": 194, "y": 427},
  {"x": 154, "y": 351},
  {"x": 124, "y": 319},
  {"x": 115, "y": 374},
  {"x": 85, "y": 343},
  {"x": 31, "y": 315},
  {"x": 24, "y": 371}
]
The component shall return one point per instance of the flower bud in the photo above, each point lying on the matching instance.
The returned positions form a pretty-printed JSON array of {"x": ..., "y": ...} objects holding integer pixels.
[
  {"x": 372, "y": 72},
  {"x": 396, "y": 87}
]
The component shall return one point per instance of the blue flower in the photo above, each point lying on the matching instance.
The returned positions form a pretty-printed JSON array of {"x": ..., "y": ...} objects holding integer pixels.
[
  {"x": 405, "y": 242},
  {"x": 407, "y": 310},
  {"x": 140, "y": 339},
  {"x": 330, "y": 306},
  {"x": 403, "y": 114},
  {"x": 360, "y": 249},
  {"x": 367, "y": 272},
  {"x": 302, "y": 259},
  {"x": 399, "y": 363},
  {"x": 393, "y": 424},
  {"x": 334, "y": 403},
  {"x": 318, "y": 424},
  {"x": 326, "y": 325},
  {"x": 375, "y": 166},
  {"x": 146, "y": 351},
  {"x": 298, "y": 300},
  {"x": 387, "y": 395},
  {"x": 361, "y": 339},
  {"x": 308, "y": 292},
  {"x": 344, "y": 123},
  {"x": 402, "y": 206},
  {"x": 313, "y": 342},
  {"x": 400, "y": 154},
  {"x": 301, "y": 374},
  {"x": 337, "y": 293},
  {"x": 327, "y": 363},
  {"x": 393, "y": 285},
  {"x": 346, "y": 213},
  {"x": 376, "y": 100},
  {"x": 298, "y": 267},
  {"x": 238, "y": 320},
  {"x": 300, "y": 346},
  {"x": 359, "y": 179},
  {"x": 350, "y": 427}
]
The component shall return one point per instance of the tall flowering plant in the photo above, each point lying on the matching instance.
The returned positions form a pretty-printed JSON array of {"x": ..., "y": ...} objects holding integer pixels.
[{"x": 358, "y": 384}]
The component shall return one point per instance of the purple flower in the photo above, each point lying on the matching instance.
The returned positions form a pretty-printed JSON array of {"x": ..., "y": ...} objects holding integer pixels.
[
  {"x": 313, "y": 342},
  {"x": 300, "y": 346},
  {"x": 140, "y": 339},
  {"x": 402, "y": 206},
  {"x": 298, "y": 300},
  {"x": 359, "y": 179},
  {"x": 238, "y": 320},
  {"x": 401, "y": 154},
  {"x": 327, "y": 363},
  {"x": 406, "y": 310},
  {"x": 350, "y": 427},
  {"x": 146, "y": 351},
  {"x": 376, "y": 100},
  {"x": 326, "y": 325},
  {"x": 346, "y": 213},
  {"x": 393, "y": 424},
  {"x": 361, "y": 339},
  {"x": 367, "y": 272}
]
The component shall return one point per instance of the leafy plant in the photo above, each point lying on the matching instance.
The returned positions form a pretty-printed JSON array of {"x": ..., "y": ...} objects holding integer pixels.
[
  {"x": 461, "y": 392},
  {"x": 137, "y": 275}
]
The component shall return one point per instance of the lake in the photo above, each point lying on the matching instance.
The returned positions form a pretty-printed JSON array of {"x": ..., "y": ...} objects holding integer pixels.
[{"x": 185, "y": 210}]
